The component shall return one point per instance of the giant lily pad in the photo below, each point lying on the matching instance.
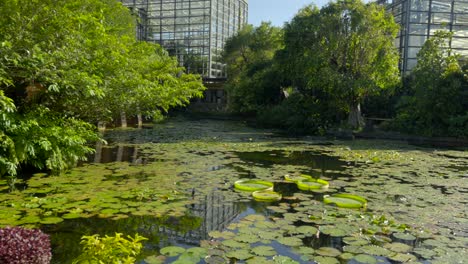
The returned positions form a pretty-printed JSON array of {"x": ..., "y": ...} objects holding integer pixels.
[
  {"x": 345, "y": 200},
  {"x": 312, "y": 184},
  {"x": 296, "y": 178},
  {"x": 253, "y": 185},
  {"x": 266, "y": 196}
]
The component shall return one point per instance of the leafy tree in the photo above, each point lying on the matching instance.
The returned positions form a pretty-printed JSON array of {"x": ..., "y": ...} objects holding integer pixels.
[
  {"x": 64, "y": 63},
  {"x": 438, "y": 103},
  {"x": 252, "y": 73},
  {"x": 343, "y": 51}
]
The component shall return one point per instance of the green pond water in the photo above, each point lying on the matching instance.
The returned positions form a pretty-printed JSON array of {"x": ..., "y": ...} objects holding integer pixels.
[{"x": 173, "y": 183}]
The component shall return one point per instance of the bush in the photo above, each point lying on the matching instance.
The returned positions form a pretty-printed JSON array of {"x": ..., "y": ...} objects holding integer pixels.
[
  {"x": 110, "y": 249},
  {"x": 24, "y": 246}
]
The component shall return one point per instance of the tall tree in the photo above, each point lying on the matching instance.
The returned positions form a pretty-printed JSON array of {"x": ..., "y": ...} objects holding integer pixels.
[
  {"x": 252, "y": 72},
  {"x": 346, "y": 50}
]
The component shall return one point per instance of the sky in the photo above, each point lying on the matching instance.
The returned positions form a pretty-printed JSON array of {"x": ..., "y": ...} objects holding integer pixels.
[{"x": 277, "y": 11}]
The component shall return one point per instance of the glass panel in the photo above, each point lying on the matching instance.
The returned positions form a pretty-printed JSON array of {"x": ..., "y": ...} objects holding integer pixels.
[
  {"x": 419, "y": 17},
  {"x": 460, "y": 43},
  {"x": 441, "y": 6},
  {"x": 440, "y": 17},
  {"x": 418, "y": 29},
  {"x": 460, "y": 7},
  {"x": 420, "y": 5},
  {"x": 461, "y": 52},
  {"x": 416, "y": 41},
  {"x": 460, "y": 19},
  {"x": 459, "y": 31},
  {"x": 435, "y": 28},
  {"x": 411, "y": 63},
  {"x": 412, "y": 52}
]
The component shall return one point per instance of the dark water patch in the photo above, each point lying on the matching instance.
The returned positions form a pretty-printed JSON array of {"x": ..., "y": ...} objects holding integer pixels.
[{"x": 313, "y": 159}]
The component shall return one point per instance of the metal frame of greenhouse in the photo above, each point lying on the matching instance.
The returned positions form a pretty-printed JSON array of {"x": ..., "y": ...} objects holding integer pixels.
[
  {"x": 192, "y": 30},
  {"x": 420, "y": 19}
]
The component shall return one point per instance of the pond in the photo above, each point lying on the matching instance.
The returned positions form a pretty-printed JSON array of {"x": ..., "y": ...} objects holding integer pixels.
[{"x": 173, "y": 184}]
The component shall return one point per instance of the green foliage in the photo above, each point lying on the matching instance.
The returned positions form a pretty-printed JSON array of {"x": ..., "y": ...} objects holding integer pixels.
[
  {"x": 344, "y": 49},
  {"x": 298, "y": 114},
  {"x": 253, "y": 75},
  {"x": 437, "y": 103},
  {"x": 110, "y": 249},
  {"x": 67, "y": 62}
]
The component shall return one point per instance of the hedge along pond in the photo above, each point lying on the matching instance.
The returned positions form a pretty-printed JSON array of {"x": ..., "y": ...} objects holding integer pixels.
[{"x": 173, "y": 183}]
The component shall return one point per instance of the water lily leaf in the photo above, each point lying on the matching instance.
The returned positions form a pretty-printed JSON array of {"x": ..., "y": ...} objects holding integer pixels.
[
  {"x": 254, "y": 218},
  {"x": 187, "y": 258},
  {"x": 252, "y": 185},
  {"x": 328, "y": 252},
  {"x": 215, "y": 260},
  {"x": 305, "y": 250},
  {"x": 290, "y": 241},
  {"x": 296, "y": 178},
  {"x": 264, "y": 251},
  {"x": 240, "y": 254},
  {"x": 325, "y": 260},
  {"x": 398, "y": 247},
  {"x": 258, "y": 260},
  {"x": 333, "y": 231},
  {"x": 403, "y": 258},
  {"x": 353, "y": 249},
  {"x": 155, "y": 259},
  {"x": 172, "y": 251},
  {"x": 266, "y": 196},
  {"x": 376, "y": 250},
  {"x": 307, "y": 230},
  {"x": 424, "y": 253},
  {"x": 71, "y": 216},
  {"x": 365, "y": 259},
  {"x": 234, "y": 244},
  {"x": 356, "y": 241},
  {"x": 246, "y": 238},
  {"x": 30, "y": 219},
  {"x": 345, "y": 200},
  {"x": 226, "y": 234},
  {"x": 346, "y": 256},
  {"x": 284, "y": 260},
  {"x": 312, "y": 184},
  {"x": 404, "y": 236}
]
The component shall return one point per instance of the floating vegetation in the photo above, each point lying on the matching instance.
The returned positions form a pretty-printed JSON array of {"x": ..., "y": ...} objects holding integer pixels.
[
  {"x": 266, "y": 196},
  {"x": 312, "y": 184},
  {"x": 345, "y": 200},
  {"x": 252, "y": 185},
  {"x": 187, "y": 167}
]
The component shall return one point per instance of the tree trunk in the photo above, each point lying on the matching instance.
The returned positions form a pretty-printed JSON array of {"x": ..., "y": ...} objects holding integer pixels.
[
  {"x": 355, "y": 119},
  {"x": 123, "y": 119},
  {"x": 98, "y": 153},
  {"x": 140, "y": 120},
  {"x": 120, "y": 152}
]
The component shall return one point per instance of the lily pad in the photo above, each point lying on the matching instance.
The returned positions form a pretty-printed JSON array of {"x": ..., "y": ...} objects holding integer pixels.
[
  {"x": 290, "y": 241},
  {"x": 345, "y": 200},
  {"x": 266, "y": 196},
  {"x": 264, "y": 251},
  {"x": 240, "y": 254},
  {"x": 253, "y": 185},
  {"x": 296, "y": 178},
  {"x": 365, "y": 259},
  {"x": 312, "y": 184},
  {"x": 172, "y": 251},
  {"x": 328, "y": 252}
]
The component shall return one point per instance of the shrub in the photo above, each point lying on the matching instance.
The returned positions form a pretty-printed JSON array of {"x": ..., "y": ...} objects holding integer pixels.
[
  {"x": 110, "y": 249},
  {"x": 24, "y": 246}
]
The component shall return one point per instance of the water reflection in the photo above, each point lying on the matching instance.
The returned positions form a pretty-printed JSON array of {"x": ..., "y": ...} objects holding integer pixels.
[{"x": 212, "y": 212}]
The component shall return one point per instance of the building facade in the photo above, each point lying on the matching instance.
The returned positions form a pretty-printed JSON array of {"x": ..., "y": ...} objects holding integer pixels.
[
  {"x": 192, "y": 30},
  {"x": 420, "y": 19}
]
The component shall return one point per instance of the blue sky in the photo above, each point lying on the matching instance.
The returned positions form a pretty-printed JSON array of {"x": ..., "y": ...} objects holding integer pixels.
[{"x": 277, "y": 11}]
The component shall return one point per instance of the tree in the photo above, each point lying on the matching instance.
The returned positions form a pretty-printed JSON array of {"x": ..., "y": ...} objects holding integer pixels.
[
  {"x": 252, "y": 73},
  {"x": 345, "y": 49},
  {"x": 67, "y": 63},
  {"x": 437, "y": 105}
]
